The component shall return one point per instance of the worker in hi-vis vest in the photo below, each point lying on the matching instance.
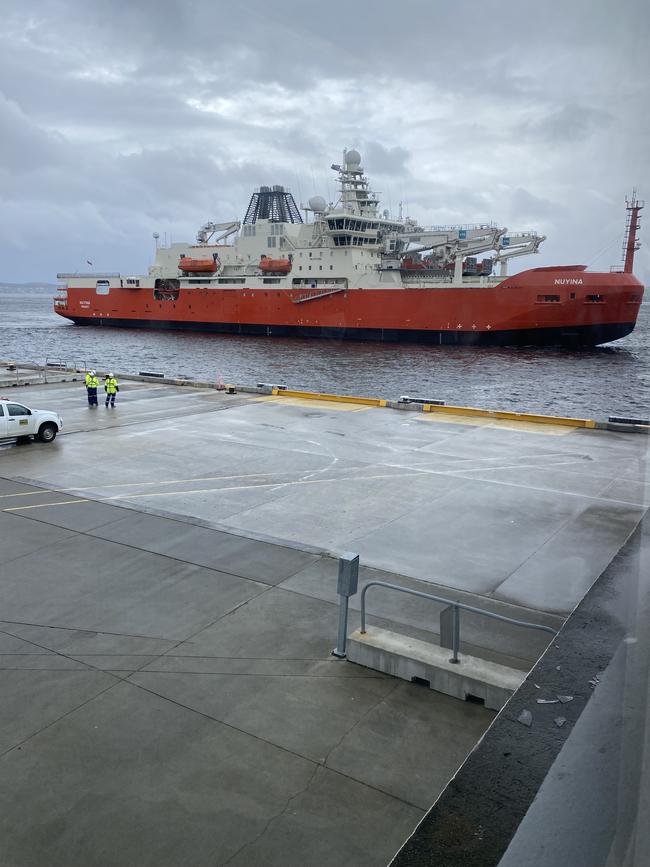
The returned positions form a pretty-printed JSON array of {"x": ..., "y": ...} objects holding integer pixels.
[
  {"x": 92, "y": 384},
  {"x": 111, "y": 388}
]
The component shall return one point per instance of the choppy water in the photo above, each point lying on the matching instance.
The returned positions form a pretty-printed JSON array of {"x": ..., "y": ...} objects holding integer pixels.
[{"x": 607, "y": 380}]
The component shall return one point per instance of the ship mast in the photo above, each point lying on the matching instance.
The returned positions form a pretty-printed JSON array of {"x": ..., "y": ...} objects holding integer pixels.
[{"x": 633, "y": 206}]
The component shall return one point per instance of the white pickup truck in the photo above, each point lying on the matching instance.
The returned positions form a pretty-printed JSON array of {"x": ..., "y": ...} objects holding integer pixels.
[{"x": 18, "y": 421}]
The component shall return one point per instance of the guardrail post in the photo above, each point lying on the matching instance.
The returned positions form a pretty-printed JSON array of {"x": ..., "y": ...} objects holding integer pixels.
[
  {"x": 348, "y": 582},
  {"x": 455, "y": 633}
]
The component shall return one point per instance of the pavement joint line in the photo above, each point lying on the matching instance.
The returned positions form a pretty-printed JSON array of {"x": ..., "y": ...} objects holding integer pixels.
[
  {"x": 193, "y": 521},
  {"x": 274, "y": 818},
  {"x": 582, "y": 496},
  {"x": 76, "y": 629},
  {"x": 209, "y": 490},
  {"x": 277, "y": 746},
  {"x": 149, "y": 670},
  {"x": 169, "y": 482},
  {"x": 442, "y": 589},
  {"x": 248, "y": 487},
  {"x": 559, "y": 529},
  {"x": 116, "y": 681},
  {"x": 153, "y": 553}
]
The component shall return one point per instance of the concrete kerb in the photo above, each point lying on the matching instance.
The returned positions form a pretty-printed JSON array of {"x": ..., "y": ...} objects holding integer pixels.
[{"x": 270, "y": 390}]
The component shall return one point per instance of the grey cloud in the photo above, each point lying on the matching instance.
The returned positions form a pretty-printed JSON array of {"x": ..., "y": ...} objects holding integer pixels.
[
  {"x": 465, "y": 113},
  {"x": 568, "y": 123}
]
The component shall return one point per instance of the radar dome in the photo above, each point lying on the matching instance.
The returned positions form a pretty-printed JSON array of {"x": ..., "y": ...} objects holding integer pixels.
[
  {"x": 317, "y": 204},
  {"x": 352, "y": 158}
]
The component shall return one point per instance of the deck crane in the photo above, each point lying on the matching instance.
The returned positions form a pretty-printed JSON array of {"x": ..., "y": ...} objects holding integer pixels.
[
  {"x": 518, "y": 244},
  {"x": 448, "y": 243},
  {"x": 225, "y": 230}
]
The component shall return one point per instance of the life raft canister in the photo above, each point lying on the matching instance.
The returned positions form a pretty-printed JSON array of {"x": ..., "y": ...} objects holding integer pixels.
[
  {"x": 197, "y": 266},
  {"x": 274, "y": 266}
]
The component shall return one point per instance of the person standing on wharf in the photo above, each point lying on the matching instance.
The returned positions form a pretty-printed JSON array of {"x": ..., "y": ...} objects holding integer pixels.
[
  {"x": 92, "y": 384},
  {"x": 111, "y": 388}
]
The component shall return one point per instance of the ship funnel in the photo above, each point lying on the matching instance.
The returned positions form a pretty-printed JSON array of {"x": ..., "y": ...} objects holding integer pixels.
[{"x": 272, "y": 203}]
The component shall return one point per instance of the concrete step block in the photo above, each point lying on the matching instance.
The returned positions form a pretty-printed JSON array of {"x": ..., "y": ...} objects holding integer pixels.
[{"x": 412, "y": 659}]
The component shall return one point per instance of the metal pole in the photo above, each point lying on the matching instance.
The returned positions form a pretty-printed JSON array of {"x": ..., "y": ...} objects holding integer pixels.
[
  {"x": 348, "y": 581},
  {"x": 455, "y": 633},
  {"x": 341, "y": 642}
]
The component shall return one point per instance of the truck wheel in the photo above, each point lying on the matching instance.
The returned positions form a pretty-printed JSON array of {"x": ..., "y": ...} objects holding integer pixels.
[{"x": 47, "y": 432}]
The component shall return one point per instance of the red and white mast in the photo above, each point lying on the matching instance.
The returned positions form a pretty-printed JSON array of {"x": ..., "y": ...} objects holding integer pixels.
[{"x": 633, "y": 206}]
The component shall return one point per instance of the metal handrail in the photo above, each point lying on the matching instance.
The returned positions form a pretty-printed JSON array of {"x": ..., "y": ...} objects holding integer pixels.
[{"x": 456, "y": 609}]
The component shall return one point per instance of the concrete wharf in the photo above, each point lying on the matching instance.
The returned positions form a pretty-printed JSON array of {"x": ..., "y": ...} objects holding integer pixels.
[{"x": 168, "y": 611}]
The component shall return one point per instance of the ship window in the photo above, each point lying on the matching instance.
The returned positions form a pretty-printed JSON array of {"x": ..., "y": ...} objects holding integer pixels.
[
  {"x": 271, "y": 280},
  {"x": 548, "y": 299},
  {"x": 572, "y": 295},
  {"x": 331, "y": 267},
  {"x": 270, "y": 242},
  {"x": 595, "y": 299},
  {"x": 103, "y": 287}
]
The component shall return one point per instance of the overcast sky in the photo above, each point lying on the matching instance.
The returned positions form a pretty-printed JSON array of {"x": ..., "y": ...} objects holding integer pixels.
[{"x": 120, "y": 119}]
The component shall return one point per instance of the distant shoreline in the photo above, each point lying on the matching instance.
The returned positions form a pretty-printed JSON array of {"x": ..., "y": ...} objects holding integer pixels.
[{"x": 28, "y": 286}]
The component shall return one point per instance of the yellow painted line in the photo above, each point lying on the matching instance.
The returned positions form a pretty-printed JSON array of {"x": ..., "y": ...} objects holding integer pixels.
[
  {"x": 28, "y": 493},
  {"x": 319, "y": 403},
  {"x": 333, "y": 398},
  {"x": 43, "y": 505},
  {"x": 521, "y": 426},
  {"x": 511, "y": 416}
]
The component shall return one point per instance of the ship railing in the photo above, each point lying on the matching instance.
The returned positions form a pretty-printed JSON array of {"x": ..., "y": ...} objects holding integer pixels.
[
  {"x": 449, "y": 617},
  {"x": 75, "y": 275},
  {"x": 62, "y": 365},
  {"x": 453, "y": 227}
]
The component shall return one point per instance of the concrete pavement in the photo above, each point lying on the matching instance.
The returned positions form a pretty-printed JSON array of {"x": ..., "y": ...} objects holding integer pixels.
[{"x": 168, "y": 607}]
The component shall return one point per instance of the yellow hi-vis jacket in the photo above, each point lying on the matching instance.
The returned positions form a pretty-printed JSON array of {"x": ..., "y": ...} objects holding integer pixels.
[
  {"x": 110, "y": 385},
  {"x": 91, "y": 381}
]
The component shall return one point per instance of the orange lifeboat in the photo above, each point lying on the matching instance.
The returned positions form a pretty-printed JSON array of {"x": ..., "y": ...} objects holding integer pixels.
[
  {"x": 274, "y": 266},
  {"x": 197, "y": 266}
]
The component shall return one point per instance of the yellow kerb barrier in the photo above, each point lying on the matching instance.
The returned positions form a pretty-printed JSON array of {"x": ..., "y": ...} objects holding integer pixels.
[{"x": 510, "y": 416}]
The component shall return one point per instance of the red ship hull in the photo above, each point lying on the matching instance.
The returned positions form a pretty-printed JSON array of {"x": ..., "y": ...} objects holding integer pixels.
[{"x": 542, "y": 306}]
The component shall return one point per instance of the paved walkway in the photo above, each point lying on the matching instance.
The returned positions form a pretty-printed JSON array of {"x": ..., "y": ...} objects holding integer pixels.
[
  {"x": 167, "y": 611},
  {"x": 183, "y": 708}
]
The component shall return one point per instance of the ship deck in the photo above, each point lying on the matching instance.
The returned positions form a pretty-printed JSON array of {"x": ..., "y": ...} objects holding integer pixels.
[{"x": 168, "y": 587}]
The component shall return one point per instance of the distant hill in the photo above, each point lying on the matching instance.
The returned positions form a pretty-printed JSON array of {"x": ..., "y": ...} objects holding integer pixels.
[{"x": 28, "y": 285}]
